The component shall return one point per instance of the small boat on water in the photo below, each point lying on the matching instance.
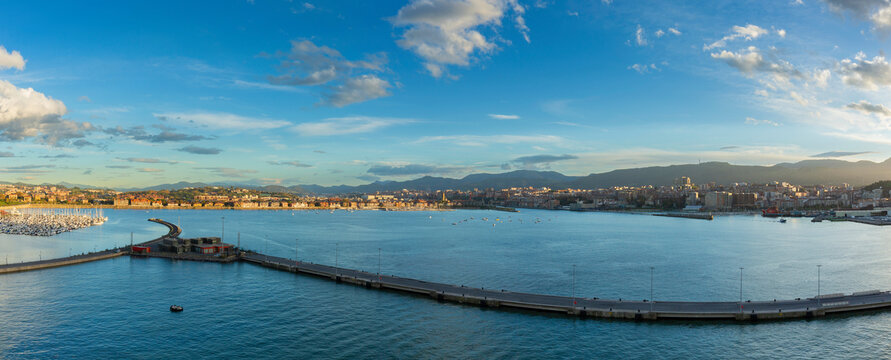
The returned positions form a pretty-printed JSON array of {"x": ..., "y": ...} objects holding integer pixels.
[
  {"x": 783, "y": 221},
  {"x": 176, "y": 308}
]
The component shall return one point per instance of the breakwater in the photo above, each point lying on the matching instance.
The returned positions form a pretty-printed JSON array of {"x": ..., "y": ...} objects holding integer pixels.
[
  {"x": 173, "y": 231},
  {"x": 590, "y": 307},
  {"x": 688, "y": 215}
]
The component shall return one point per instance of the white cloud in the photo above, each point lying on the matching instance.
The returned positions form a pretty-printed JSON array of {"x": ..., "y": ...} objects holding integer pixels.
[
  {"x": 357, "y": 89},
  {"x": 659, "y": 33},
  {"x": 821, "y": 78},
  {"x": 643, "y": 68},
  {"x": 504, "y": 117},
  {"x": 483, "y": 140},
  {"x": 346, "y": 125},
  {"x": 11, "y": 60},
  {"x": 219, "y": 120},
  {"x": 748, "y": 33},
  {"x": 781, "y": 33},
  {"x": 882, "y": 19},
  {"x": 446, "y": 32},
  {"x": 26, "y": 113},
  {"x": 640, "y": 37},
  {"x": 798, "y": 98},
  {"x": 674, "y": 31},
  {"x": 752, "y": 61},
  {"x": 753, "y": 121},
  {"x": 881, "y": 138},
  {"x": 868, "y": 108},
  {"x": 866, "y": 74},
  {"x": 876, "y": 11},
  {"x": 308, "y": 64}
]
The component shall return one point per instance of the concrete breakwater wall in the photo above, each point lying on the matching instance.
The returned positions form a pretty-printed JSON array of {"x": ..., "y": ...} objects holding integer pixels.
[
  {"x": 79, "y": 259},
  {"x": 51, "y": 263},
  {"x": 590, "y": 307}
]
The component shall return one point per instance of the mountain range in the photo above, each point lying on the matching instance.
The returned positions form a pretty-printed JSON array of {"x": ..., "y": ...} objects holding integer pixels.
[{"x": 807, "y": 172}]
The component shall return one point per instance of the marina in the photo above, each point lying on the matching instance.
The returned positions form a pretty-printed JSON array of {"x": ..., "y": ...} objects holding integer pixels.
[{"x": 48, "y": 222}]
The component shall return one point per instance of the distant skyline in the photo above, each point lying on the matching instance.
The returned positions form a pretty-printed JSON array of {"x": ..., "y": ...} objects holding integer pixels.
[{"x": 277, "y": 92}]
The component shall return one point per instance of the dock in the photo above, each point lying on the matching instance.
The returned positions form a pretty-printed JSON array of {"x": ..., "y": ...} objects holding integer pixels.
[{"x": 583, "y": 307}]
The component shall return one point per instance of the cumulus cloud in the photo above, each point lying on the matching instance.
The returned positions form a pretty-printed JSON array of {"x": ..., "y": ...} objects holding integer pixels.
[
  {"x": 643, "y": 68},
  {"x": 290, "y": 163},
  {"x": 752, "y": 60},
  {"x": 504, "y": 116},
  {"x": 868, "y": 108},
  {"x": 358, "y": 89},
  {"x": 28, "y": 114},
  {"x": 200, "y": 150},
  {"x": 866, "y": 74},
  {"x": 747, "y": 33},
  {"x": 347, "y": 82},
  {"x": 447, "y": 32},
  {"x": 860, "y": 8},
  {"x": 11, "y": 60},
  {"x": 640, "y": 37},
  {"x": 876, "y": 11},
  {"x": 346, "y": 125}
]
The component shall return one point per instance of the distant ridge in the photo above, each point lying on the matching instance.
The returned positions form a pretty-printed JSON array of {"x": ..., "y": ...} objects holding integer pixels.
[{"x": 807, "y": 172}]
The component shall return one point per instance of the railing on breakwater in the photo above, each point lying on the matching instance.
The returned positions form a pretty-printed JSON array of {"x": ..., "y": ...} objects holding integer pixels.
[
  {"x": 174, "y": 231},
  {"x": 590, "y": 307}
]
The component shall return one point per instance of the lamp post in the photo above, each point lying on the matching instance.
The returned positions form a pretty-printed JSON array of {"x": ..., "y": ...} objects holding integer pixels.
[
  {"x": 819, "y": 301},
  {"x": 652, "y": 272},
  {"x": 740, "y": 290},
  {"x": 573, "y": 285}
]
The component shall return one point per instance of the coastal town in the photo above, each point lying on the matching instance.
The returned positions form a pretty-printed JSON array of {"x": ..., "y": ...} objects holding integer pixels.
[{"x": 682, "y": 195}]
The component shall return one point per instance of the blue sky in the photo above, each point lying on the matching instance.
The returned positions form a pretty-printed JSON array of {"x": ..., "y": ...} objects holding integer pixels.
[{"x": 346, "y": 92}]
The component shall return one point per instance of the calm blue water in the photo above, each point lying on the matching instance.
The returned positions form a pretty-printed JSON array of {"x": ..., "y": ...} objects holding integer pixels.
[{"x": 118, "y": 308}]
